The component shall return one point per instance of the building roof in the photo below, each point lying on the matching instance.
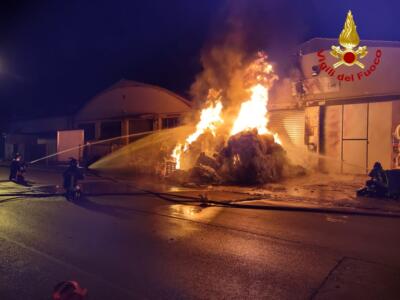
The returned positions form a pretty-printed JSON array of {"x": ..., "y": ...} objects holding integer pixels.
[
  {"x": 131, "y": 83},
  {"x": 131, "y": 98},
  {"x": 316, "y": 44}
]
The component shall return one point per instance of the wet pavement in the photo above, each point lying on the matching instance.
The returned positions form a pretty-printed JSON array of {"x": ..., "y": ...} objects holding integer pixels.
[
  {"x": 312, "y": 191},
  {"x": 138, "y": 246},
  {"x": 322, "y": 191}
]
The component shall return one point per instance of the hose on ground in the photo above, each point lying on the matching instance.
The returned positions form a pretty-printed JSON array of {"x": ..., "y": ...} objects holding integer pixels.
[{"x": 204, "y": 201}]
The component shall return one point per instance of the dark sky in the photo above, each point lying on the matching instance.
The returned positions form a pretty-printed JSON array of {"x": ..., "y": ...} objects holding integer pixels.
[{"x": 57, "y": 54}]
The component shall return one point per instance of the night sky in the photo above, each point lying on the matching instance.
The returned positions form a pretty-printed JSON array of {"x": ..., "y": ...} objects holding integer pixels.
[{"x": 57, "y": 54}]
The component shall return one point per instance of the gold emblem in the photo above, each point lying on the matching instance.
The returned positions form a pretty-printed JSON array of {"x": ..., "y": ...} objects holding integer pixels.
[{"x": 349, "y": 40}]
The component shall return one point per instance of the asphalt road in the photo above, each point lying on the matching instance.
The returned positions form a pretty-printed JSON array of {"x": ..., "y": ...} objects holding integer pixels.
[{"x": 139, "y": 246}]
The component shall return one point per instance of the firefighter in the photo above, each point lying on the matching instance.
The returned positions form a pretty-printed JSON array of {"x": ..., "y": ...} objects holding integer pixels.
[
  {"x": 15, "y": 166},
  {"x": 378, "y": 185},
  {"x": 71, "y": 176},
  {"x": 378, "y": 181}
]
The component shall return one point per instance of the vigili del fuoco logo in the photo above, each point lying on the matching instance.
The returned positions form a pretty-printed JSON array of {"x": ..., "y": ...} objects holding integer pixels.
[{"x": 349, "y": 54}]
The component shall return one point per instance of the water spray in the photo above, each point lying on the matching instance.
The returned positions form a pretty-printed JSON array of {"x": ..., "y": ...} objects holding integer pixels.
[{"x": 89, "y": 144}]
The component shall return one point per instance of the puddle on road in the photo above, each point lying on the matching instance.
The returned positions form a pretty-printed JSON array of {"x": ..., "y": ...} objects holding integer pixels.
[
  {"x": 194, "y": 213},
  {"x": 179, "y": 229}
]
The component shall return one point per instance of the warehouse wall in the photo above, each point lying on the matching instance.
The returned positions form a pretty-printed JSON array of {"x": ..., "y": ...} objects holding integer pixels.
[{"x": 383, "y": 81}]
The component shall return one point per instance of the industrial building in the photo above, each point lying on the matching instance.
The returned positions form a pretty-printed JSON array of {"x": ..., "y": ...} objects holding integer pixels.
[
  {"x": 348, "y": 116},
  {"x": 125, "y": 108}
]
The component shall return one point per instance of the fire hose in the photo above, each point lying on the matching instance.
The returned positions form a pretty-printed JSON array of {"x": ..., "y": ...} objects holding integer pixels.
[{"x": 204, "y": 201}]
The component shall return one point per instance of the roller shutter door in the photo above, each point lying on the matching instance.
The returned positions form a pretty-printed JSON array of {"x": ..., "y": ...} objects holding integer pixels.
[{"x": 289, "y": 124}]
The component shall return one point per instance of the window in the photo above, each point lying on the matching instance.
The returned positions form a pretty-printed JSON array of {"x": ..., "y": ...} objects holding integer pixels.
[
  {"x": 89, "y": 130},
  {"x": 110, "y": 129},
  {"x": 170, "y": 122},
  {"x": 138, "y": 126}
]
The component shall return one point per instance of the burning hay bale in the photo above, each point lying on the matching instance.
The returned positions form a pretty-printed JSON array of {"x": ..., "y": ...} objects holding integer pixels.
[
  {"x": 250, "y": 158},
  {"x": 180, "y": 177},
  {"x": 202, "y": 174},
  {"x": 247, "y": 158},
  {"x": 206, "y": 170},
  {"x": 243, "y": 149}
]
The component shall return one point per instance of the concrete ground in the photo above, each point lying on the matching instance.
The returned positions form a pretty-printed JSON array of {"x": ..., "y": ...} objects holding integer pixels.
[
  {"x": 330, "y": 191},
  {"x": 124, "y": 243}
]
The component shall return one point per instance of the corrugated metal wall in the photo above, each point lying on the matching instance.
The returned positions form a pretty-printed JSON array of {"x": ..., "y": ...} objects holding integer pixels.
[{"x": 289, "y": 124}]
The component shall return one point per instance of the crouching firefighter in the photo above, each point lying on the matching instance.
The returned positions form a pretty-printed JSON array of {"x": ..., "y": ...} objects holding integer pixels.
[
  {"x": 71, "y": 176},
  {"x": 377, "y": 186}
]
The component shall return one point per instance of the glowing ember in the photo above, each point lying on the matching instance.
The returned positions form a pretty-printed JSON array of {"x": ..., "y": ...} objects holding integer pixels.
[
  {"x": 277, "y": 139},
  {"x": 210, "y": 118}
]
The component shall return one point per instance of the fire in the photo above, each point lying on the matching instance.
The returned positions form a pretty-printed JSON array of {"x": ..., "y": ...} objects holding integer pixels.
[
  {"x": 210, "y": 118},
  {"x": 176, "y": 155},
  {"x": 252, "y": 113}
]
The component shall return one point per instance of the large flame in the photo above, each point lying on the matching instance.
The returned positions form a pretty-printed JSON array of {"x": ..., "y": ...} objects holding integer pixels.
[
  {"x": 252, "y": 114},
  {"x": 210, "y": 118},
  {"x": 176, "y": 155}
]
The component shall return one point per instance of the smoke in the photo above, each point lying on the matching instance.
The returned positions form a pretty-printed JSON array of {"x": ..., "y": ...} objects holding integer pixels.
[
  {"x": 223, "y": 61},
  {"x": 222, "y": 69},
  {"x": 232, "y": 64},
  {"x": 243, "y": 28}
]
